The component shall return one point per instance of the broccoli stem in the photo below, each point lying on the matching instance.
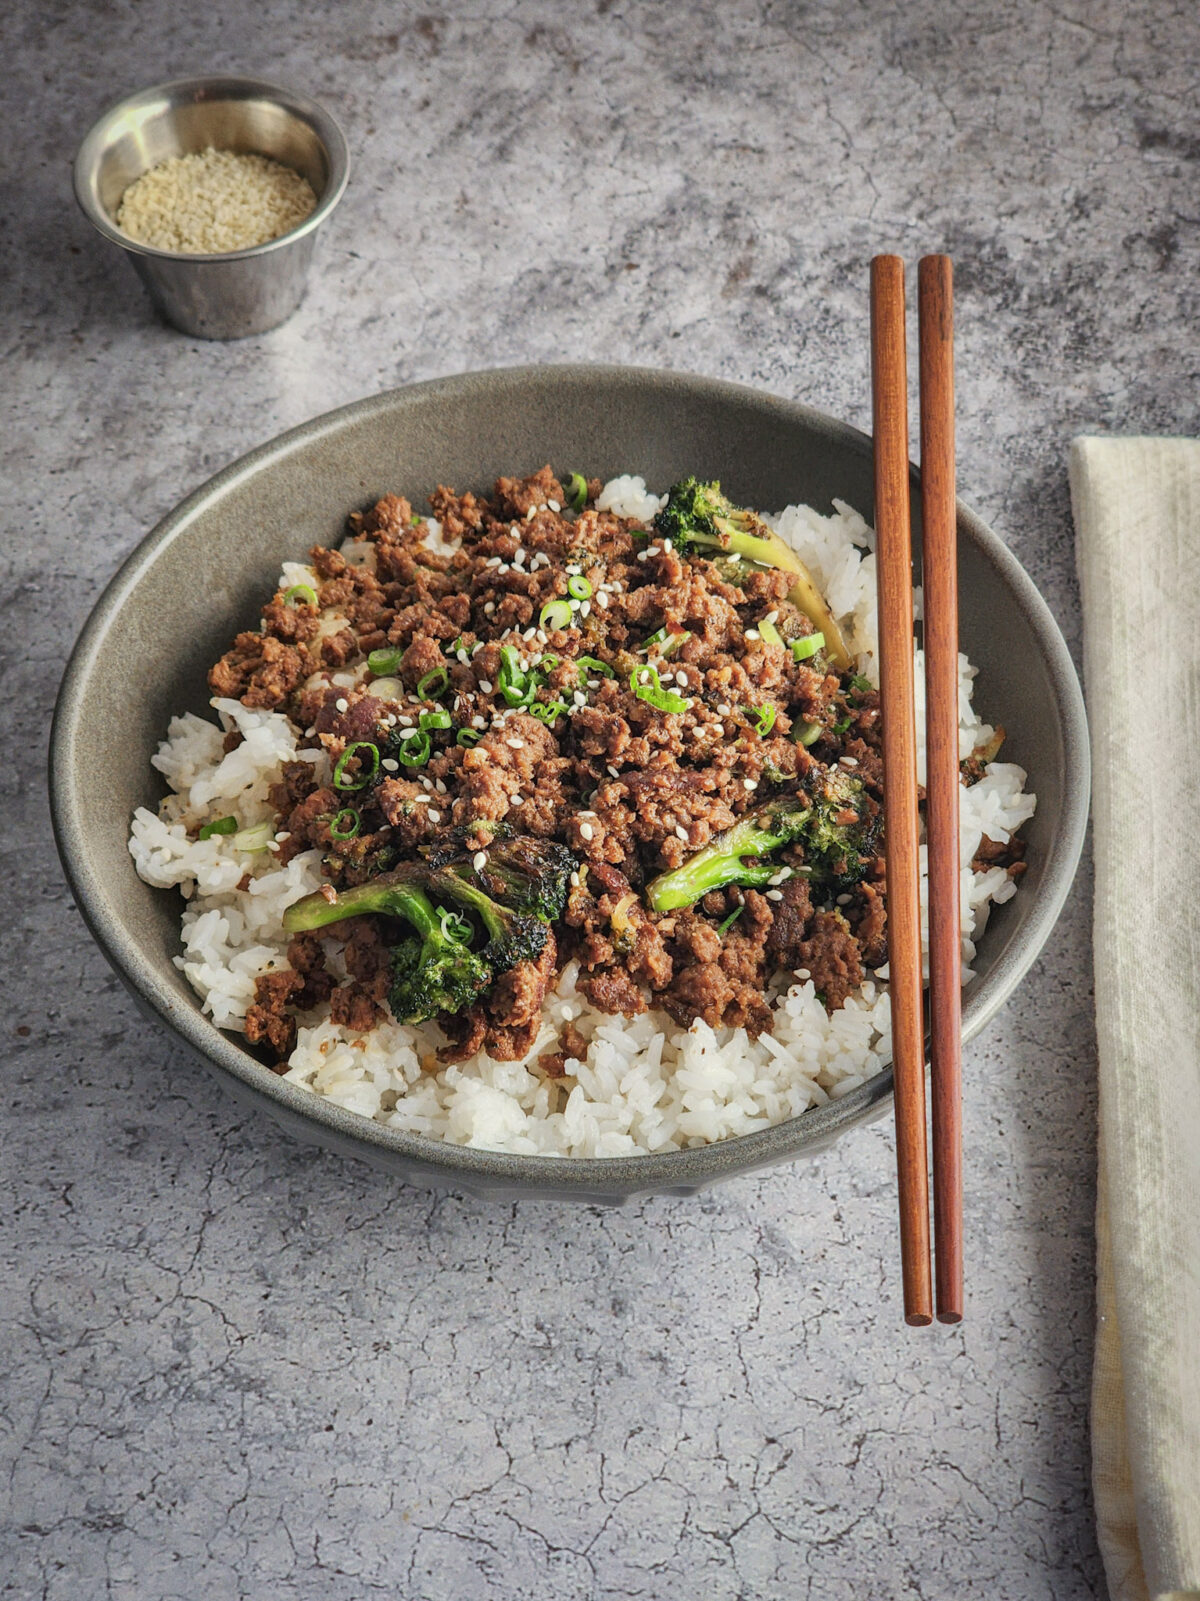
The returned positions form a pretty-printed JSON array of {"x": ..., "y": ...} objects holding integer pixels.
[
  {"x": 389, "y": 898},
  {"x": 720, "y": 863}
]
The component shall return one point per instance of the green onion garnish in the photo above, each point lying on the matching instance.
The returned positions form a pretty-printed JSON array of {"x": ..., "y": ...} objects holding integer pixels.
[
  {"x": 546, "y": 713},
  {"x": 547, "y": 663},
  {"x": 298, "y": 592},
  {"x": 861, "y": 684},
  {"x": 340, "y": 781},
  {"x": 255, "y": 838},
  {"x": 653, "y": 693},
  {"x": 842, "y": 724},
  {"x": 594, "y": 666},
  {"x": 723, "y": 928},
  {"x": 768, "y": 633},
  {"x": 579, "y": 586},
  {"x": 802, "y": 649},
  {"x": 415, "y": 520},
  {"x": 453, "y": 648},
  {"x": 455, "y": 928},
  {"x": 517, "y": 686},
  {"x": 467, "y": 738},
  {"x": 438, "y": 718},
  {"x": 764, "y": 718},
  {"x": 555, "y": 614},
  {"x": 413, "y": 747},
  {"x": 577, "y": 492},
  {"x": 432, "y": 685},
  {"x": 346, "y": 824},
  {"x": 222, "y": 825},
  {"x": 668, "y": 644},
  {"x": 807, "y": 733},
  {"x": 383, "y": 662}
]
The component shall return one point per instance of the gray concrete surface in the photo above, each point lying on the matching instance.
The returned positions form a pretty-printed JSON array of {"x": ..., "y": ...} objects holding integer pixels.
[{"x": 234, "y": 1367}]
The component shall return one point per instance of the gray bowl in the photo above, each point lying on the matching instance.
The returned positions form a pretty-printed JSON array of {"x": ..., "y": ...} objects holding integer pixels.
[
  {"x": 238, "y": 292},
  {"x": 203, "y": 572}
]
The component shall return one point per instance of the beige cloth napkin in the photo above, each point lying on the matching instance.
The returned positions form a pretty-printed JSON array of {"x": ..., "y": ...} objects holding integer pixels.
[{"x": 1137, "y": 515}]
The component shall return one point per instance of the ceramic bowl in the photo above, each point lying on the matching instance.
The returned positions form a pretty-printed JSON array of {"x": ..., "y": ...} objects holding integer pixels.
[{"x": 202, "y": 573}]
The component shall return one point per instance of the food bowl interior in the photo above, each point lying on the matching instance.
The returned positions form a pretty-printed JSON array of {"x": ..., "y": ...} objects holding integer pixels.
[
  {"x": 147, "y": 130},
  {"x": 203, "y": 575}
]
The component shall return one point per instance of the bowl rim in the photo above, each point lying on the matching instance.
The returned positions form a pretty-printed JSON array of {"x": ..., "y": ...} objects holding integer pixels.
[
  {"x": 229, "y": 86},
  {"x": 684, "y": 1169}
]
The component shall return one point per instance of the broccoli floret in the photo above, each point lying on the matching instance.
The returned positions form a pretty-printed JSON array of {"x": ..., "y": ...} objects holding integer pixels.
[
  {"x": 517, "y": 893},
  {"x": 698, "y": 517},
  {"x": 830, "y": 822}
]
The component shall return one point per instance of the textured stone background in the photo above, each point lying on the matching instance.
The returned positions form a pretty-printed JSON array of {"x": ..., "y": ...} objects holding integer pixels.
[{"x": 236, "y": 1367}]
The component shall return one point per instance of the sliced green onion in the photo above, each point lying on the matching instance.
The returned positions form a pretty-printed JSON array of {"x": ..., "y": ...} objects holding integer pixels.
[
  {"x": 594, "y": 666},
  {"x": 413, "y": 747},
  {"x": 547, "y": 664},
  {"x": 579, "y": 586},
  {"x": 304, "y": 592},
  {"x": 653, "y": 693},
  {"x": 438, "y": 718},
  {"x": 432, "y": 685},
  {"x": 861, "y": 684},
  {"x": 468, "y": 738},
  {"x": 384, "y": 661},
  {"x": 455, "y": 928},
  {"x": 808, "y": 733},
  {"x": 842, "y": 724},
  {"x": 222, "y": 825},
  {"x": 768, "y": 633},
  {"x": 723, "y": 928},
  {"x": 387, "y": 689},
  {"x": 555, "y": 614},
  {"x": 255, "y": 838},
  {"x": 764, "y": 718},
  {"x": 517, "y": 686},
  {"x": 668, "y": 643},
  {"x": 453, "y": 648},
  {"x": 655, "y": 638},
  {"x": 546, "y": 713},
  {"x": 340, "y": 781},
  {"x": 415, "y": 519},
  {"x": 802, "y": 649},
  {"x": 577, "y": 492},
  {"x": 346, "y": 824}
]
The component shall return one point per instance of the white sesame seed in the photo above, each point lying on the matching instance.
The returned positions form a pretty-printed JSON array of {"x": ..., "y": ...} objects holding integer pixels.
[
  {"x": 601, "y": 597},
  {"x": 489, "y": 607},
  {"x": 681, "y": 832},
  {"x": 540, "y": 636},
  {"x": 574, "y": 880},
  {"x": 420, "y": 800},
  {"x": 492, "y": 561},
  {"x": 849, "y": 761},
  {"x": 574, "y": 568},
  {"x": 776, "y": 878},
  {"x": 750, "y": 783},
  {"x": 579, "y": 698},
  {"x": 752, "y": 633},
  {"x": 517, "y": 744},
  {"x": 593, "y": 683},
  {"x": 479, "y": 722},
  {"x": 517, "y": 800},
  {"x": 585, "y": 609},
  {"x": 485, "y": 687},
  {"x": 479, "y": 861},
  {"x": 553, "y": 505},
  {"x": 404, "y": 720},
  {"x": 342, "y": 704},
  {"x": 434, "y": 817},
  {"x": 643, "y": 555},
  {"x": 439, "y": 786},
  {"x": 390, "y": 764},
  {"x": 724, "y": 711},
  {"x": 285, "y": 834},
  {"x": 531, "y": 514},
  {"x": 274, "y": 845},
  {"x": 803, "y": 973},
  {"x": 461, "y": 653},
  {"x": 586, "y": 831},
  {"x": 614, "y": 772},
  {"x": 772, "y": 617},
  {"x": 774, "y": 894}
]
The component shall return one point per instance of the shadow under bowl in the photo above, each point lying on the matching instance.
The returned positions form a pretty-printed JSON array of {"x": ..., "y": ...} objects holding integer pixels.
[{"x": 203, "y": 573}]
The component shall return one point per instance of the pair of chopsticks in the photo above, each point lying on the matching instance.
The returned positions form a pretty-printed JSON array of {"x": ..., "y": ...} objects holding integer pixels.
[{"x": 889, "y": 382}]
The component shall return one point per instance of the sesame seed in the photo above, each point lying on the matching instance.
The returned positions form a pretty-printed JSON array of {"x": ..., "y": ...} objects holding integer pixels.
[
  {"x": 434, "y": 817},
  {"x": 774, "y": 894},
  {"x": 803, "y": 973},
  {"x": 462, "y": 655},
  {"x": 342, "y": 704},
  {"x": 553, "y": 505},
  {"x": 479, "y": 722},
  {"x": 286, "y": 834},
  {"x": 772, "y": 616},
  {"x": 479, "y": 861},
  {"x": 274, "y": 845},
  {"x": 404, "y": 720},
  {"x": 568, "y": 1013},
  {"x": 585, "y": 608},
  {"x": 579, "y": 698},
  {"x": 531, "y": 514},
  {"x": 586, "y": 831},
  {"x": 530, "y": 633},
  {"x": 439, "y": 786},
  {"x": 574, "y": 568},
  {"x": 601, "y": 597},
  {"x": 849, "y": 761},
  {"x": 420, "y": 800},
  {"x": 844, "y": 900},
  {"x": 517, "y": 744},
  {"x": 390, "y": 764},
  {"x": 485, "y": 687},
  {"x": 574, "y": 880},
  {"x": 643, "y": 555},
  {"x": 681, "y": 832},
  {"x": 593, "y": 683},
  {"x": 752, "y": 633},
  {"x": 489, "y": 607},
  {"x": 613, "y": 772},
  {"x": 750, "y": 783},
  {"x": 517, "y": 800},
  {"x": 724, "y": 711},
  {"x": 541, "y": 637}
]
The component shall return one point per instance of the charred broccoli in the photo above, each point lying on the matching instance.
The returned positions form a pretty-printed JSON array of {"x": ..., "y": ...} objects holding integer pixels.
[
  {"x": 830, "y": 822},
  {"x": 699, "y": 517},
  {"x": 520, "y": 887}
]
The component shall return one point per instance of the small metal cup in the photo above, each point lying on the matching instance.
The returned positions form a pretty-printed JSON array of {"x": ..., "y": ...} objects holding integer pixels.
[{"x": 242, "y": 291}]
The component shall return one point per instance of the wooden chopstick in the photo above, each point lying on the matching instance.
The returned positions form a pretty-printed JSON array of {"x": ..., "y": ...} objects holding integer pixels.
[
  {"x": 935, "y": 302},
  {"x": 889, "y": 385}
]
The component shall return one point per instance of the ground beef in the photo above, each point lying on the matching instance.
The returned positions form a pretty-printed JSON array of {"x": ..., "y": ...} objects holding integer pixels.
[{"x": 519, "y": 736}]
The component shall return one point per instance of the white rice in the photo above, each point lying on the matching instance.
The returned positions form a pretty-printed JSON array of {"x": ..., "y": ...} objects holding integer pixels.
[{"x": 647, "y": 1084}]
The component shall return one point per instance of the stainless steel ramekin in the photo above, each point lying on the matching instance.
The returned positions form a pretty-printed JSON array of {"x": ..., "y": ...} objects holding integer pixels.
[{"x": 242, "y": 291}]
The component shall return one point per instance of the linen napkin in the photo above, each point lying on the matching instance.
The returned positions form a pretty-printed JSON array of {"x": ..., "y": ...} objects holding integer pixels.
[{"x": 1137, "y": 518}]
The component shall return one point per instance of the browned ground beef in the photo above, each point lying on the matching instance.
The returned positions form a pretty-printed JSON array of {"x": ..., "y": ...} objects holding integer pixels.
[{"x": 631, "y": 790}]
